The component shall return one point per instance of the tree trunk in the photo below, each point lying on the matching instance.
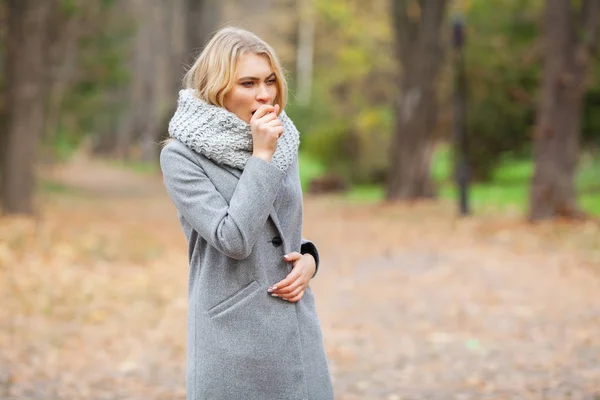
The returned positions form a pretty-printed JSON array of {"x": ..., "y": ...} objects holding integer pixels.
[
  {"x": 167, "y": 34},
  {"x": 64, "y": 30},
  {"x": 155, "y": 65},
  {"x": 305, "y": 52},
  {"x": 202, "y": 20},
  {"x": 26, "y": 97},
  {"x": 156, "y": 59},
  {"x": 418, "y": 28},
  {"x": 557, "y": 132}
]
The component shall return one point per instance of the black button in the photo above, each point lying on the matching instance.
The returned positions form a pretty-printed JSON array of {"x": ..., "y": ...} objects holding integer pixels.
[{"x": 277, "y": 241}]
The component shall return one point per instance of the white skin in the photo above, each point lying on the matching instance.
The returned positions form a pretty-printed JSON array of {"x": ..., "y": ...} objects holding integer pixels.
[{"x": 252, "y": 99}]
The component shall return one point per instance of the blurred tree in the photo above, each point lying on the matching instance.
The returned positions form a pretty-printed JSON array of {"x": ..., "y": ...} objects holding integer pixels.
[
  {"x": 25, "y": 102},
  {"x": 65, "y": 29},
  {"x": 90, "y": 84},
  {"x": 154, "y": 73},
  {"x": 503, "y": 61},
  {"x": 570, "y": 36},
  {"x": 155, "y": 70},
  {"x": 202, "y": 18},
  {"x": 273, "y": 20},
  {"x": 167, "y": 37},
  {"x": 187, "y": 25},
  {"x": 347, "y": 123},
  {"x": 419, "y": 47},
  {"x": 71, "y": 28},
  {"x": 305, "y": 52}
]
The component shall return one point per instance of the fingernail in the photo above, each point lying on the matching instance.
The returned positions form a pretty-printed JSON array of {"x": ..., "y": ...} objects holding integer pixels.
[
  {"x": 286, "y": 256},
  {"x": 274, "y": 295}
]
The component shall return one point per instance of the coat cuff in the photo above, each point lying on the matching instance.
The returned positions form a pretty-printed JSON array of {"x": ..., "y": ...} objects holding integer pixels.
[{"x": 308, "y": 247}]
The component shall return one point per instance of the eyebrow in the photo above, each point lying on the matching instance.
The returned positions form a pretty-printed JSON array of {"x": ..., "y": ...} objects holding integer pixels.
[{"x": 252, "y": 78}]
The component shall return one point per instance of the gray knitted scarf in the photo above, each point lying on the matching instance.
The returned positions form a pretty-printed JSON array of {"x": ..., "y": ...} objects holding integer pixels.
[{"x": 221, "y": 136}]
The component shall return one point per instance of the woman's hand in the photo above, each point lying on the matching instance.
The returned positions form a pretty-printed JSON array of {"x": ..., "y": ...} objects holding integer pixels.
[
  {"x": 293, "y": 286},
  {"x": 266, "y": 129}
]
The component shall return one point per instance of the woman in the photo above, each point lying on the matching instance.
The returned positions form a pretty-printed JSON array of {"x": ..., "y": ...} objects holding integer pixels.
[{"x": 232, "y": 173}]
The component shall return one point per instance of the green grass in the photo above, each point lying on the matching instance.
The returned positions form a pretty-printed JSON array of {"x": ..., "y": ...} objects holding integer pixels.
[
  {"x": 508, "y": 189},
  {"x": 310, "y": 168},
  {"x": 588, "y": 183},
  {"x": 366, "y": 193}
]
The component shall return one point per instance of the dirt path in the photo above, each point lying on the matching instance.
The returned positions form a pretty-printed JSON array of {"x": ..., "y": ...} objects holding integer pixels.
[{"x": 414, "y": 303}]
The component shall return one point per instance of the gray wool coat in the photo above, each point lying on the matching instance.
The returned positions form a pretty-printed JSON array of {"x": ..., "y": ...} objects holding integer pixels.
[{"x": 242, "y": 342}]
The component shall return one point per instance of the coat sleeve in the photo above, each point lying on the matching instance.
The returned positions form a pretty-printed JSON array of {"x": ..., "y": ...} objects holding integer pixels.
[
  {"x": 231, "y": 228},
  {"x": 308, "y": 247}
]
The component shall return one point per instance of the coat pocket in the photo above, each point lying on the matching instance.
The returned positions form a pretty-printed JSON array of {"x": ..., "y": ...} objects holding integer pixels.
[{"x": 234, "y": 299}]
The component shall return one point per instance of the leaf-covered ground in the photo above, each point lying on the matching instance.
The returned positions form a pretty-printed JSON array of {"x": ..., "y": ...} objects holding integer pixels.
[{"x": 414, "y": 303}]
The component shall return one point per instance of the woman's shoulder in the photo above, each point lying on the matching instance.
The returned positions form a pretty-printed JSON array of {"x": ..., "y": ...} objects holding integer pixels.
[
  {"x": 174, "y": 148},
  {"x": 176, "y": 153},
  {"x": 176, "y": 156},
  {"x": 172, "y": 144}
]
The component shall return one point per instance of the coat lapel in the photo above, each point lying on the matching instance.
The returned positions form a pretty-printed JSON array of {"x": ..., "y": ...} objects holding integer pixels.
[
  {"x": 275, "y": 219},
  {"x": 273, "y": 214}
]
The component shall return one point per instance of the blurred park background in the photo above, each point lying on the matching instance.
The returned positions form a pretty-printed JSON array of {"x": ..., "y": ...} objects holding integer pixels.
[{"x": 412, "y": 113}]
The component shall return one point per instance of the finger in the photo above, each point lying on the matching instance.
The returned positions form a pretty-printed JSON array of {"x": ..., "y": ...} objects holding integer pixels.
[
  {"x": 274, "y": 123},
  {"x": 293, "y": 256},
  {"x": 289, "y": 289},
  {"x": 277, "y": 108},
  {"x": 285, "y": 284},
  {"x": 262, "y": 111},
  {"x": 296, "y": 298},
  {"x": 292, "y": 276},
  {"x": 279, "y": 131},
  {"x": 288, "y": 280},
  {"x": 268, "y": 117},
  {"x": 293, "y": 293}
]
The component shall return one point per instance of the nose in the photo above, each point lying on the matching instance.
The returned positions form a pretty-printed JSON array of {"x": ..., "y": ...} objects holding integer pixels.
[{"x": 263, "y": 95}]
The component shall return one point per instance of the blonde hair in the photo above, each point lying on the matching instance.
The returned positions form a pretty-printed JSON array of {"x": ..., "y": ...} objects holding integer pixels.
[{"x": 213, "y": 72}]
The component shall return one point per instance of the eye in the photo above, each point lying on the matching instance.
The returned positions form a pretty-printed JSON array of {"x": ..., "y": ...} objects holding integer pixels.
[
  {"x": 271, "y": 81},
  {"x": 247, "y": 84}
]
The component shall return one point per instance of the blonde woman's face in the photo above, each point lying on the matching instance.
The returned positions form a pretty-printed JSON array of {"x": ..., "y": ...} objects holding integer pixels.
[{"x": 255, "y": 84}]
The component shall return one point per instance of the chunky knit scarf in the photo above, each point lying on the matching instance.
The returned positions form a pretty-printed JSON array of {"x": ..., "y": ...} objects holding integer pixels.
[{"x": 221, "y": 136}]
